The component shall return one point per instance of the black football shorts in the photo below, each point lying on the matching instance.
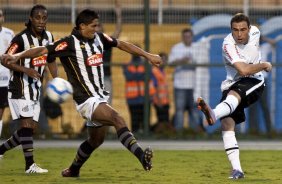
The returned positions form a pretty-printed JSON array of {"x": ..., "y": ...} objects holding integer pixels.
[
  {"x": 3, "y": 97},
  {"x": 250, "y": 90}
]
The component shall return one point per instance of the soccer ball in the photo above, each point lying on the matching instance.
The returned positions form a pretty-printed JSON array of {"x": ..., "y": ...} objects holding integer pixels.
[{"x": 59, "y": 90}]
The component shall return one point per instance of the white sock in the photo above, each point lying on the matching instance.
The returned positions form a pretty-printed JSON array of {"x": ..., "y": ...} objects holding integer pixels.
[
  {"x": 226, "y": 107},
  {"x": 232, "y": 149},
  {"x": 1, "y": 125}
]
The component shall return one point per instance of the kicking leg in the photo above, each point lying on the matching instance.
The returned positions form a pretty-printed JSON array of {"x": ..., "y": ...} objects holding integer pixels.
[
  {"x": 107, "y": 115},
  {"x": 223, "y": 109}
]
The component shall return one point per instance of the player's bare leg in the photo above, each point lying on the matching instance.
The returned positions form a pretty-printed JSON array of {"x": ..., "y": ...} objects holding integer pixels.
[
  {"x": 96, "y": 136},
  {"x": 107, "y": 115}
]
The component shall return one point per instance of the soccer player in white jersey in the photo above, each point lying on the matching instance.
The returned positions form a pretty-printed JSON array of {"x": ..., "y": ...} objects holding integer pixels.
[
  {"x": 243, "y": 86},
  {"x": 6, "y": 36}
]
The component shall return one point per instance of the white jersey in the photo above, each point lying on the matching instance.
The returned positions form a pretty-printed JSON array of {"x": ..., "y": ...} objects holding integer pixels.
[
  {"x": 6, "y": 36},
  {"x": 249, "y": 53}
]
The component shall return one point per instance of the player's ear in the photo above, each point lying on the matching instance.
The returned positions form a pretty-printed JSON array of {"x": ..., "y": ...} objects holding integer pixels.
[{"x": 82, "y": 26}]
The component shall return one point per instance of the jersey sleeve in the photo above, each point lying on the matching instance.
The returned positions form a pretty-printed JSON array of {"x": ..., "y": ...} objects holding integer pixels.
[
  {"x": 51, "y": 58},
  {"x": 231, "y": 54},
  {"x": 255, "y": 35},
  {"x": 59, "y": 48},
  {"x": 107, "y": 41},
  {"x": 16, "y": 45}
]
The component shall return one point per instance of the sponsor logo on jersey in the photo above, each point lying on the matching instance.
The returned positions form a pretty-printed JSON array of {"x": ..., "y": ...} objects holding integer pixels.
[
  {"x": 61, "y": 46},
  {"x": 13, "y": 48},
  {"x": 95, "y": 60},
  {"x": 39, "y": 61},
  {"x": 257, "y": 32}
]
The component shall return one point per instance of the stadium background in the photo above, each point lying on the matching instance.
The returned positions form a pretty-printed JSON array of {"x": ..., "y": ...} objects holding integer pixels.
[{"x": 166, "y": 20}]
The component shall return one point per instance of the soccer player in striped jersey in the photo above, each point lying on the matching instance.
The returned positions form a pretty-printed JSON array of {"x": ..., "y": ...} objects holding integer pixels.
[
  {"x": 6, "y": 35},
  {"x": 25, "y": 84},
  {"x": 243, "y": 86},
  {"x": 81, "y": 55}
]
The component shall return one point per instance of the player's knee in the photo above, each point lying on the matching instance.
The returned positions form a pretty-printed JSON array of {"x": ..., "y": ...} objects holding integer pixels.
[
  {"x": 227, "y": 124},
  {"x": 28, "y": 123}
]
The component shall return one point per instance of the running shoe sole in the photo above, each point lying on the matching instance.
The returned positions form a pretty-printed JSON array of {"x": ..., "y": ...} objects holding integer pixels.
[
  {"x": 147, "y": 159},
  {"x": 205, "y": 108}
]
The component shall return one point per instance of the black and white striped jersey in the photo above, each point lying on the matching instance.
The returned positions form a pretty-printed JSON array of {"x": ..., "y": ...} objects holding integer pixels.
[
  {"x": 21, "y": 85},
  {"x": 82, "y": 60}
]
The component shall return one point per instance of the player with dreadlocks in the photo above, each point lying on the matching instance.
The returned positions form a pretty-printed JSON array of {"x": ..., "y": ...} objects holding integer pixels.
[{"x": 25, "y": 85}]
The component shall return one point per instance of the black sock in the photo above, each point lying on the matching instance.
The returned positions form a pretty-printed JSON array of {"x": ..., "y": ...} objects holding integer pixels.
[
  {"x": 83, "y": 153},
  {"x": 12, "y": 142},
  {"x": 129, "y": 141},
  {"x": 26, "y": 141}
]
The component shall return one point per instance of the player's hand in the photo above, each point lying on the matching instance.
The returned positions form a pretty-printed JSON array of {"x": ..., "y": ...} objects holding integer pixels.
[
  {"x": 268, "y": 66},
  {"x": 32, "y": 73},
  {"x": 9, "y": 59},
  {"x": 155, "y": 60},
  {"x": 186, "y": 60}
]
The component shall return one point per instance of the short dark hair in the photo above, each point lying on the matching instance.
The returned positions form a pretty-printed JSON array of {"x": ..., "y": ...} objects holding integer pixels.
[
  {"x": 86, "y": 17},
  {"x": 187, "y": 30},
  {"x": 33, "y": 9},
  {"x": 240, "y": 17}
]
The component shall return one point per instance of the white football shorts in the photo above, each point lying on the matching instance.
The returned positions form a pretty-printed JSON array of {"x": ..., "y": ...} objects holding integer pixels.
[
  {"x": 87, "y": 108},
  {"x": 24, "y": 108}
]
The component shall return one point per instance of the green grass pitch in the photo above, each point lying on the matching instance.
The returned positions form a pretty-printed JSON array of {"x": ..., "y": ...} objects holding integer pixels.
[{"x": 119, "y": 166}]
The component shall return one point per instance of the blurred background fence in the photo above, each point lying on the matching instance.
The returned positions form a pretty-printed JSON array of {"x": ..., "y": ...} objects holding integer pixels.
[{"x": 209, "y": 20}]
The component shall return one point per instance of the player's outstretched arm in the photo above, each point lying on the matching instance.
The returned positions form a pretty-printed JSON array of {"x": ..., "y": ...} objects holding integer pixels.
[
  {"x": 16, "y": 67},
  {"x": 53, "y": 68},
  {"x": 30, "y": 53},
  {"x": 154, "y": 59}
]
